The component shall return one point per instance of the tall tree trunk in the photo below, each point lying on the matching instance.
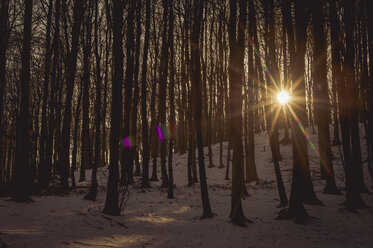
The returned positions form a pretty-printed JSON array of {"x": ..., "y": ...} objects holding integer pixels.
[
  {"x": 22, "y": 159},
  {"x": 349, "y": 118},
  {"x": 94, "y": 184},
  {"x": 64, "y": 159},
  {"x": 163, "y": 88},
  {"x": 370, "y": 91},
  {"x": 251, "y": 173},
  {"x": 172, "y": 101},
  {"x": 43, "y": 169},
  {"x": 322, "y": 108},
  {"x": 53, "y": 93},
  {"x": 75, "y": 137},
  {"x": 273, "y": 110},
  {"x": 144, "y": 119},
  {"x": 236, "y": 73},
  {"x": 196, "y": 91},
  {"x": 111, "y": 203},
  {"x": 336, "y": 65},
  {"x": 301, "y": 181},
  {"x": 4, "y": 15},
  {"x": 127, "y": 166},
  {"x": 135, "y": 102},
  {"x": 87, "y": 51},
  {"x": 153, "y": 136}
]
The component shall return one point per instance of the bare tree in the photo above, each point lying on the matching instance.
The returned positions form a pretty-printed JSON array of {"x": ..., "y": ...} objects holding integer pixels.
[
  {"x": 22, "y": 158},
  {"x": 111, "y": 203},
  {"x": 70, "y": 78}
]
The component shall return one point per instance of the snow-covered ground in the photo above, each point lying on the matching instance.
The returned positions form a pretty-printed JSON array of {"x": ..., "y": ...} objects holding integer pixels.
[{"x": 152, "y": 220}]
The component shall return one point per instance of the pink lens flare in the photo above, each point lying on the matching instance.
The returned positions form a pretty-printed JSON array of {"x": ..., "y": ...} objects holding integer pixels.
[
  {"x": 128, "y": 142},
  {"x": 159, "y": 131},
  {"x": 165, "y": 132}
]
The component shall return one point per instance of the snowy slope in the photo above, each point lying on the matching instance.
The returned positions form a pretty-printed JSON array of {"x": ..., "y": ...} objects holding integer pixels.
[{"x": 152, "y": 220}]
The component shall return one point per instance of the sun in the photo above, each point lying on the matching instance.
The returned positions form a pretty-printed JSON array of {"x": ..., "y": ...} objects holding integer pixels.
[{"x": 283, "y": 97}]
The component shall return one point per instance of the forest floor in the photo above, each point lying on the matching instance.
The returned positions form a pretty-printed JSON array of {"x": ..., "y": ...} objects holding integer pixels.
[{"x": 151, "y": 220}]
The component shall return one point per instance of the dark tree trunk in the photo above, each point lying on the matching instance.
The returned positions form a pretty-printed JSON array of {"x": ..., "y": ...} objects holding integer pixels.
[
  {"x": 75, "y": 137},
  {"x": 210, "y": 114},
  {"x": 322, "y": 108},
  {"x": 154, "y": 122},
  {"x": 43, "y": 169},
  {"x": 192, "y": 170},
  {"x": 163, "y": 89},
  {"x": 370, "y": 91},
  {"x": 127, "y": 167},
  {"x": 236, "y": 72},
  {"x": 4, "y": 15},
  {"x": 172, "y": 101},
  {"x": 22, "y": 158},
  {"x": 70, "y": 78},
  {"x": 251, "y": 173},
  {"x": 111, "y": 203},
  {"x": 274, "y": 109},
  {"x": 135, "y": 101},
  {"x": 349, "y": 118},
  {"x": 301, "y": 181},
  {"x": 336, "y": 65},
  {"x": 196, "y": 91},
  {"x": 93, "y": 190},
  {"x": 53, "y": 94},
  {"x": 86, "y": 161},
  {"x": 144, "y": 119}
]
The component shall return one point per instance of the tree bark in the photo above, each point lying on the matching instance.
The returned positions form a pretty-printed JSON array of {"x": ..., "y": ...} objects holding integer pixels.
[
  {"x": 172, "y": 100},
  {"x": 322, "y": 107},
  {"x": 196, "y": 91},
  {"x": 4, "y": 16},
  {"x": 236, "y": 72},
  {"x": 22, "y": 158},
  {"x": 70, "y": 78},
  {"x": 94, "y": 184},
  {"x": 144, "y": 119},
  {"x": 111, "y": 203}
]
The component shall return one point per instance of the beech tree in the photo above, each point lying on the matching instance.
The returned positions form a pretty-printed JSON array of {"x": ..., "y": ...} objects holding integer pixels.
[{"x": 22, "y": 159}]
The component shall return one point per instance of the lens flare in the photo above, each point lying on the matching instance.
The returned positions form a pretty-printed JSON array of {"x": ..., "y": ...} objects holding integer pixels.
[
  {"x": 165, "y": 132},
  {"x": 283, "y": 97},
  {"x": 128, "y": 142}
]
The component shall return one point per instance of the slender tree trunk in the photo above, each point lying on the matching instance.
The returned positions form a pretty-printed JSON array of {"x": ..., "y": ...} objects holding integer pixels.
[
  {"x": 322, "y": 108},
  {"x": 111, "y": 203},
  {"x": 210, "y": 114},
  {"x": 75, "y": 137},
  {"x": 236, "y": 72},
  {"x": 4, "y": 15},
  {"x": 196, "y": 91},
  {"x": 43, "y": 169},
  {"x": 87, "y": 51},
  {"x": 154, "y": 122},
  {"x": 172, "y": 101},
  {"x": 135, "y": 102},
  {"x": 349, "y": 119},
  {"x": 94, "y": 184},
  {"x": 127, "y": 167},
  {"x": 301, "y": 180},
  {"x": 370, "y": 91},
  {"x": 251, "y": 173},
  {"x": 274, "y": 109},
  {"x": 22, "y": 159},
  {"x": 163, "y": 90},
  {"x": 70, "y": 78},
  {"x": 53, "y": 94},
  {"x": 144, "y": 119}
]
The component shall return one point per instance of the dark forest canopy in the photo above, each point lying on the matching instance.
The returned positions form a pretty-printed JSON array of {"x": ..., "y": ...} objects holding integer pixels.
[{"x": 116, "y": 83}]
